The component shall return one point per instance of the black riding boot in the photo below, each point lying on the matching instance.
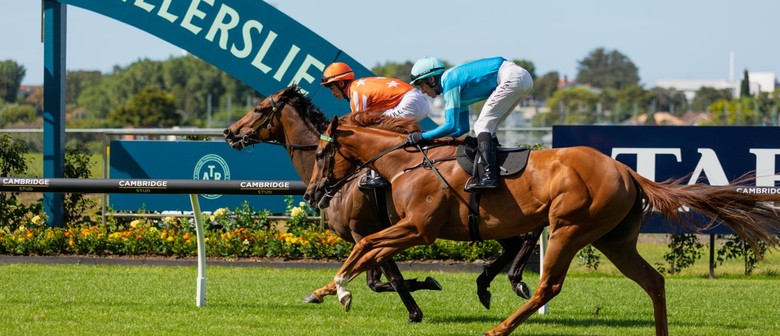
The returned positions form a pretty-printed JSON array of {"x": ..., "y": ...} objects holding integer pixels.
[
  {"x": 487, "y": 152},
  {"x": 495, "y": 141},
  {"x": 373, "y": 180}
]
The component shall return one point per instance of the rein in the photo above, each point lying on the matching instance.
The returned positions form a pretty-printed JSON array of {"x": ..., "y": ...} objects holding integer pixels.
[
  {"x": 252, "y": 142},
  {"x": 427, "y": 163},
  {"x": 329, "y": 187}
]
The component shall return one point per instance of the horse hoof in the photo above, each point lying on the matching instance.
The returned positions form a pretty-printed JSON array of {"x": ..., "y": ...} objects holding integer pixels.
[
  {"x": 484, "y": 298},
  {"x": 432, "y": 284},
  {"x": 522, "y": 290},
  {"x": 312, "y": 299},
  {"x": 346, "y": 301},
  {"x": 414, "y": 319}
]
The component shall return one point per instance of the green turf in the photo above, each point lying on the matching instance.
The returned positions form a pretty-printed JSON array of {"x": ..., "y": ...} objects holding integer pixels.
[{"x": 147, "y": 300}]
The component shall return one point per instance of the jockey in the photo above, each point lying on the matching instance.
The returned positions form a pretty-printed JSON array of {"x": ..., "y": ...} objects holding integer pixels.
[
  {"x": 502, "y": 83},
  {"x": 393, "y": 97}
]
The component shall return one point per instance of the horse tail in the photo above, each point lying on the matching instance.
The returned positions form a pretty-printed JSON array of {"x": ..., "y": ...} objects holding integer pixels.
[{"x": 753, "y": 217}]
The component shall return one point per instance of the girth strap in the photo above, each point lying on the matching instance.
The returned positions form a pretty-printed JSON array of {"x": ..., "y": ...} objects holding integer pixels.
[
  {"x": 380, "y": 205},
  {"x": 474, "y": 217}
]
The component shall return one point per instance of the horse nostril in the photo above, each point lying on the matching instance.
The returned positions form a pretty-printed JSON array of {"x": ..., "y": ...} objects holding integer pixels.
[
  {"x": 226, "y": 132},
  {"x": 306, "y": 197}
]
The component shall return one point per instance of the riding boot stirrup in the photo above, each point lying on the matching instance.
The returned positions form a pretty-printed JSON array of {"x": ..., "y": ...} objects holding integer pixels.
[
  {"x": 486, "y": 151},
  {"x": 372, "y": 180}
]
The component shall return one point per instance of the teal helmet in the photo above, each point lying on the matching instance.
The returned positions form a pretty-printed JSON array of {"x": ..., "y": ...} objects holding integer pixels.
[{"x": 426, "y": 67}]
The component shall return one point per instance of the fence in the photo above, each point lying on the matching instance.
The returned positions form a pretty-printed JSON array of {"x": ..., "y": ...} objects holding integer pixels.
[
  {"x": 96, "y": 141},
  {"x": 160, "y": 186}
]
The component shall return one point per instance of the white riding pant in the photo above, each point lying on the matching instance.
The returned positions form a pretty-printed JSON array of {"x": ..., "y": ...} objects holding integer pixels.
[
  {"x": 413, "y": 104},
  {"x": 514, "y": 83}
]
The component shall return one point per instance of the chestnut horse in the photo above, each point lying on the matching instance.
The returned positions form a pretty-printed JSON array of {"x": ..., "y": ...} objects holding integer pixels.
[
  {"x": 288, "y": 118},
  {"x": 582, "y": 195}
]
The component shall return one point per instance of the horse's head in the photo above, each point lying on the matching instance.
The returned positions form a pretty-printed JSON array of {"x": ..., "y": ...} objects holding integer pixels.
[
  {"x": 257, "y": 125},
  {"x": 332, "y": 167},
  {"x": 264, "y": 123}
]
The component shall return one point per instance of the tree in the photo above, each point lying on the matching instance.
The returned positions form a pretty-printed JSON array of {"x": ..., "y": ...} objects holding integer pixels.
[
  {"x": 545, "y": 86},
  {"x": 744, "y": 85},
  {"x": 97, "y": 100},
  {"x": 574, "y": 105},
  {"x": 670, "y": 100},
  {"x": 607, "y": 69},
  {"x": 705, "y": 96},
  {"x": 148, "y": 108},
  {"x": 628, "y": 102},
  {"x": 78, "y": 81},
  {"x": 11, "y": 76},
  {"x": 401, "y": 71}
]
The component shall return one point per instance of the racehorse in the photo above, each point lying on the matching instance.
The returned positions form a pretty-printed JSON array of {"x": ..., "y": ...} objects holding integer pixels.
[
  {"x": 288, "y": 118},
  {"x": 582, "y": 195}
]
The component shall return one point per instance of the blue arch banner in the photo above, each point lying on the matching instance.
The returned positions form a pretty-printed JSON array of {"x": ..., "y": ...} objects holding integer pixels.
[{"x": 248, "y": 39}]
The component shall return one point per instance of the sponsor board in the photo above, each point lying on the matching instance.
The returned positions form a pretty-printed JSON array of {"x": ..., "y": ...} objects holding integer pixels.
[
  {"x": 698, "y": 154},
  {"x": 199, "y": 160}
]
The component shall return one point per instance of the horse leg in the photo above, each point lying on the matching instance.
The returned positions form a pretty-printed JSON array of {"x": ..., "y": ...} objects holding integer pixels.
[
  {"x": 375, "y": 283},
  {"x": 393, "y": 274},
  {"x": 318, "y": 295},
  {"x": 413, "y": 285},
  {"x": 626, "y": 258},
  {"x": 510, "y": 246},
  {"x": 560, "y": 252},
  {"x": 375, "y": 248},
  {"x": 515, "y": 272}
]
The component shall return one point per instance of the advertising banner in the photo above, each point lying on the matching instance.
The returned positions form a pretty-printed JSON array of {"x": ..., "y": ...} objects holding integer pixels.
[
  {"x": 248, "y": 39},
  {"x": 709, "y": 155},
  {"x": 197, "y": 160}
]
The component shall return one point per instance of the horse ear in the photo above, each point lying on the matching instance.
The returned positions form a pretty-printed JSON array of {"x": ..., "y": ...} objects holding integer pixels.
[{"x": 334, "y": 123}]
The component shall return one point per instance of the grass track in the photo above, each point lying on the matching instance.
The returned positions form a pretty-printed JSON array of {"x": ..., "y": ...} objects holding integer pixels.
[{"x": 146, "y": 300}]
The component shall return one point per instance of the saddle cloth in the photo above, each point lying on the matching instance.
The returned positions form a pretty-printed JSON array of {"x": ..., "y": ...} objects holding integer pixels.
[{"x": 510, "y": 160}]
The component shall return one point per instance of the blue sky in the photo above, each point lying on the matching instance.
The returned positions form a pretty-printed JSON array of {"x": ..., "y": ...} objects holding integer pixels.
[{"x": 666, "y": 39}]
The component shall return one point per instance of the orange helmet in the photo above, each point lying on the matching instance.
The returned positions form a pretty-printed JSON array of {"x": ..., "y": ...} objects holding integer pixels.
[{"x": 337, "y": 71}]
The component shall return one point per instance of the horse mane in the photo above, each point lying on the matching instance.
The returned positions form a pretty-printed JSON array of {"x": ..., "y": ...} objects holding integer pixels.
[
  {"x": 294, "y": 97},
  {"x": 381, "y": 121}
]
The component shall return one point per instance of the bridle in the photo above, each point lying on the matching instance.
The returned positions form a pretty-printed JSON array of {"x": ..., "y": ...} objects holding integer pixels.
[
  {"x": 247, "y": 139},
  {"x": 329, "y": 185}
]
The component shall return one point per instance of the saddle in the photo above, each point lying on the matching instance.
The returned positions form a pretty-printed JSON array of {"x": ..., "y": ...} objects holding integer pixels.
[{"x": 510, "y": 160}]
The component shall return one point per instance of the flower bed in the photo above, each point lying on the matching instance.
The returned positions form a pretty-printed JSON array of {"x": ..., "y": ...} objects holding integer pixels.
[{"x": 242, "y": 233}]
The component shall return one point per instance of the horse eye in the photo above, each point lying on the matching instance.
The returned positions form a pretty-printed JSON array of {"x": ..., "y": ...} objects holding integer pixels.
[{"x": 257, "y": 109}]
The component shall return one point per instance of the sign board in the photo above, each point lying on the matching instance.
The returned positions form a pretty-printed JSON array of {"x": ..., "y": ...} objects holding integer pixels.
[
  {"x": 249, "y": 39},
  {"x": 710, "y": 155},
  {"x": 197, "y": 160}
]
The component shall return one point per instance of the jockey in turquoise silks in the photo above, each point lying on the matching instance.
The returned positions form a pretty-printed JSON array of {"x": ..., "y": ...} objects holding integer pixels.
[{"x": 500, "y": 83}]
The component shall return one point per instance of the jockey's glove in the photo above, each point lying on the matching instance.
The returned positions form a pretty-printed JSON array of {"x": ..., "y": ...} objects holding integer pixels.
[{"x": 414, "y": 138}]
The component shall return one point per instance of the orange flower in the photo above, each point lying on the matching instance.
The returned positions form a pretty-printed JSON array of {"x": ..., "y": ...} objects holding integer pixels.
[
  {"x": 71, "y": 242},
  {"x": 186, "y": 236}
]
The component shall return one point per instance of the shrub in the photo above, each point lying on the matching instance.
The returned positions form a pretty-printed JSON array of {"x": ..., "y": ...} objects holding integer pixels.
[
  {"x": 77, "y": 165},
  {"x": 685, "y": 249},
  {"x": 18, "y": 113},
  {"x": 589, "y": 257},
  {"x": 12, "y": 212},
  {"x": 735, "y": 247}
]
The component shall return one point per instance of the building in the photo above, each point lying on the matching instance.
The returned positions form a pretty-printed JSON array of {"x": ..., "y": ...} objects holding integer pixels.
[{"x": 759, "y": 82}]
